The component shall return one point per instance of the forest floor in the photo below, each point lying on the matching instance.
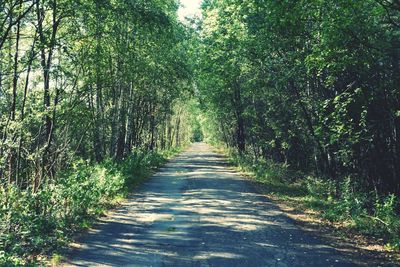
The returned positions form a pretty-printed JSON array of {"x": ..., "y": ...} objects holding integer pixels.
[{"x": 198, "y": 211}]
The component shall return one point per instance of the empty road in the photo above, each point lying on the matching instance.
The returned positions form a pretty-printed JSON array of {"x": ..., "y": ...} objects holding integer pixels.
[{"x": 196, "y": 211}]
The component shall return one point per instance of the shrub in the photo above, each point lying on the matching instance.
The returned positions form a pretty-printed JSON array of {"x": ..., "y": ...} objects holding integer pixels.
[
  {"x": 353, "y": 206},
  {"x": 386, "y": 219},
  {"x": 263, "y": 169},
  {"x": 320, "y": 188},
  {"x": 34, "y": 223}
]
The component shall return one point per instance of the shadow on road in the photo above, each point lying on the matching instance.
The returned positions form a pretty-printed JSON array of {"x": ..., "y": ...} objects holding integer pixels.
[{"x": 198, "y": 212}]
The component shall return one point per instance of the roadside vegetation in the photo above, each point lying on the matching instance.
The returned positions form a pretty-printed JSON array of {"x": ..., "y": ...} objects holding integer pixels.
[
  {"x": 346, "y": 206},
  {"x": 34, "y": 226},
  {"x": 306, "y": 95},
  {"x": 93, "y": 96}
]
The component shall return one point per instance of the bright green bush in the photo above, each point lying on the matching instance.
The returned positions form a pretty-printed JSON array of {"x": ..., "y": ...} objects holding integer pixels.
[
  {"x": 139, "y": 164},
  {"x": 33, "y": 223},
  {"x": 387, "y": 220}
]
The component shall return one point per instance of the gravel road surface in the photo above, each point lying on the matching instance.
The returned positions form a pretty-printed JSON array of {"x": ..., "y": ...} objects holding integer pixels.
[{"x": 196, "y": 211}]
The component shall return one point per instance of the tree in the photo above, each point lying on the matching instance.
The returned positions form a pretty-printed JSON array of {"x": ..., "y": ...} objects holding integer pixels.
[{"x": 315, "y": 87}]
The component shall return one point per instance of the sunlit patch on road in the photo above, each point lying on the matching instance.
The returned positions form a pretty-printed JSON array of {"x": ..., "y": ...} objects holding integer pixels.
[{"x": 198, "y": 212}]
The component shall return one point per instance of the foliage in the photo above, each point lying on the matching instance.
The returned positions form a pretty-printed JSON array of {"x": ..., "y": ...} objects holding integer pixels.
[
  {"x": 313, "y": 93},
  {"x": 316, "y": 88},
  {"x": 94, "y": 80},
  {"x": 38, "y": 223},
  {"x": 347, "y": 205},
  {"x": 92, "y": 94}
]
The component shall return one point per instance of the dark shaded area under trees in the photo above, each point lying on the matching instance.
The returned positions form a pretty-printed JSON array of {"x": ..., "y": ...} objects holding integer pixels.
[{"x": 312, "y": 84}]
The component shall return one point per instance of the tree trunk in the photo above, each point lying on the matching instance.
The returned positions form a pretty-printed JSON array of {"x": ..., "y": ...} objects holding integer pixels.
[
  {"x": 11, "y": 155},
  {"x": 240, "y": 130},
  {"x": 46, "y": 63}
]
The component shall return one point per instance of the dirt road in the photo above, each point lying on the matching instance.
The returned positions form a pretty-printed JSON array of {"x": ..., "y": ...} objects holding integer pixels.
[{"x": 196, "y": 211}]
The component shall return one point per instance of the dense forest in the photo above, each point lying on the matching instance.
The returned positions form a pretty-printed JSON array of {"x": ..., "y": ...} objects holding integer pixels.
[
  {"x": 88, "y": 79},
  {"x": 92, "y": 91},
  {"x": 314, "y": 84},
  {"x": 308, "y": 92},
  {"x": 83, "y": 85}
]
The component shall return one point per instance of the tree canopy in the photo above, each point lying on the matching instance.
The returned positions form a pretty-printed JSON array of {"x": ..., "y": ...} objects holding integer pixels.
[
  {"x": 314, "y": 84},
  {"x": 92, "y": 92}
]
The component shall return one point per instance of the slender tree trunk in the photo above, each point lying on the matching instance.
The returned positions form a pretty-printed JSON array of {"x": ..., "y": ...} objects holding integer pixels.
[
  {"x": 240, "y": 131},
  {"x": 114, "y": 120},
  {"x": 11, "y": 155},
  {"x": 130, "y": 121},
  {"x": 169, "y": 133},
  {"x": 99, "y": 119},
  {"x": 152, "y": 126},
  {"x": 46, "y": 63},
  {"x": 178, "y": 129},
  {"x": 122, "y": 129},
  {"x": 22, "y": 115},
  {"x": 310, "y": 126}
]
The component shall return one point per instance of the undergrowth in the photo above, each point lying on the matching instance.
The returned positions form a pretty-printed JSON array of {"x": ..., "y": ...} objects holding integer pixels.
[
  {"x": 38, "y": 223},
  {"x": 342, "y": 201}
]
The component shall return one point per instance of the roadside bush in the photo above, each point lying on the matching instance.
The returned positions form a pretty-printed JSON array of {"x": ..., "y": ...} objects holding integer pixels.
[
  {"x": 357, "y": 209},
  {"x": 139, "y": 165},
  {"x": 263, "y": 170},
  {"x": 320, "y": 188},
  {"x": 85, "y": 189},
  {"x": 33, "y": 223},
  {"x": 387, "y": 220},
  {"x": 343, "y": 202}
]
